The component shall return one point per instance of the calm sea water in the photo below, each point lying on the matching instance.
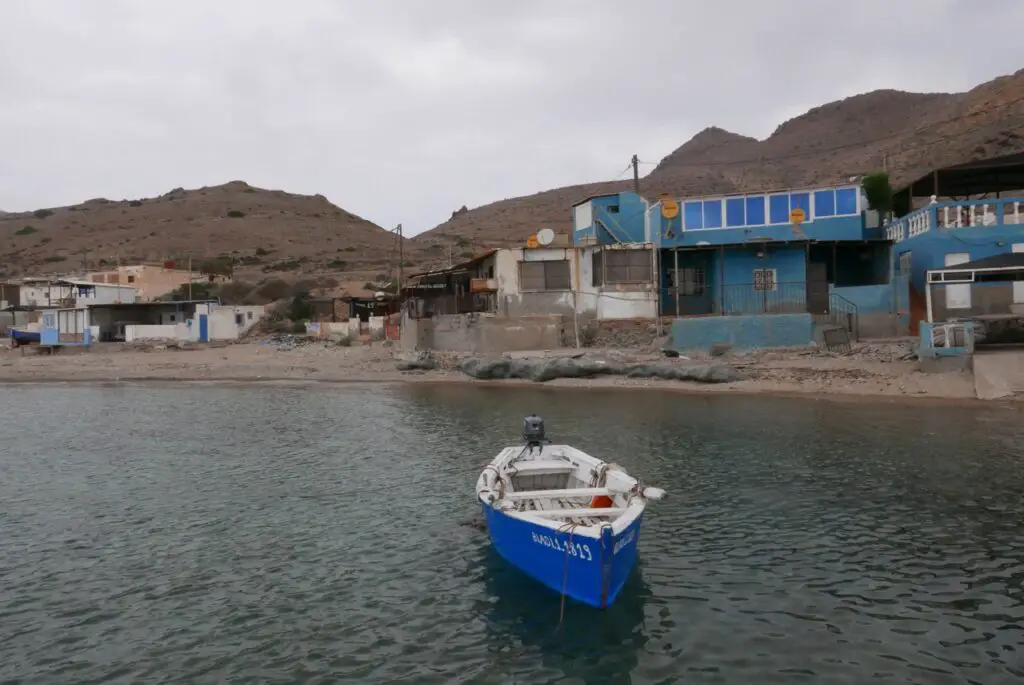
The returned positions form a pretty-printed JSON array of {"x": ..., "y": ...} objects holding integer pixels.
[{"x": 209, "y": 534}]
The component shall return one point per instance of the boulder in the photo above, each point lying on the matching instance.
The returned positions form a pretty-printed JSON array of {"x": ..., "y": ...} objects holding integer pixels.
[
  {"x": 543, "y": 370},
  {"x": 420, "y": 361}
]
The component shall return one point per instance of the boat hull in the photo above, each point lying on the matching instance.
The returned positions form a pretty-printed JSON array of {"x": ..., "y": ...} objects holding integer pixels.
[
  {"x": 22, "y": 337},
  {"x": 597, "y": 569}
]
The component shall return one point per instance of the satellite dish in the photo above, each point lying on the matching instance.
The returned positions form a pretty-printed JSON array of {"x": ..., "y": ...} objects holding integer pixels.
[{"x": 545, "y": 236}]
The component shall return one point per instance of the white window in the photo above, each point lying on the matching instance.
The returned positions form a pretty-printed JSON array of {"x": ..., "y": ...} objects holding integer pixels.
[{"x": 764, "y": 280}]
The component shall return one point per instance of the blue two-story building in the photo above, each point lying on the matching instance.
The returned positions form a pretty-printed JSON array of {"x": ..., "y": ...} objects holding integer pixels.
[
  {"x": 804, "y": 258},
  {"x": 945, "y": 227}
]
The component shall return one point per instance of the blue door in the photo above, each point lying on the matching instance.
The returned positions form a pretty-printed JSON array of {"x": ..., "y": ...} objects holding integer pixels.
[{"x": 204, "y": 328}]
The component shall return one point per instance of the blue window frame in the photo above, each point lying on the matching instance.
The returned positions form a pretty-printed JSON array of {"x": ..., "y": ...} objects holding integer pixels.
[
  {"x": 693, "y": 215},
  {"x": 755, "y": 210},
  {"x": 825, "y": 202},
  {"x": 778, "y": 209},
  {"x": 846, "y": 201},
  {"x": 801, "y": 201},
  {"x": 712, "y": 213},
  {"x": 735, "y": 212}
]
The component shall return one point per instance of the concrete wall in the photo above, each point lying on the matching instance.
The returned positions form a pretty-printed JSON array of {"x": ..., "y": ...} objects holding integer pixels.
[
  {"x": 328, "y": 329},
  {"x": 46, "y": 295},
  {"x": 150, "y": 281},
  {"x": 878, "y": 308},
  {"x": 135, "y": 332},
  {"x": 743, "y": 332},
  {"x": 482, "y": 334},
  {"x": 625, "y": 301}
]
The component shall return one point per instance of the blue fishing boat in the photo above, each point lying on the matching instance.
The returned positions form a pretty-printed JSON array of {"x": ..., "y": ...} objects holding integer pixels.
[
  {"x": 563, "y": 517},
  {"x": 21, "y": 337}
]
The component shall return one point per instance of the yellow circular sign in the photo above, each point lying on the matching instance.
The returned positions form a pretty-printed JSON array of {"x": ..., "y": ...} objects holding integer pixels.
[
  {"x": 797, "y": 216},
  {"x": 669, "y": 208},
  {"x": 531, "y": 241}
]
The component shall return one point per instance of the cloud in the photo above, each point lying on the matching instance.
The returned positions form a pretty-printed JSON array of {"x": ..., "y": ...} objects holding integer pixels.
[{"x": 402, "y": 110}]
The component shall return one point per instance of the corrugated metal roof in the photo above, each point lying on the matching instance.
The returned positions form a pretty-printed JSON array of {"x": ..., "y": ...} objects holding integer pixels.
[{"x": 462, "y": 266}]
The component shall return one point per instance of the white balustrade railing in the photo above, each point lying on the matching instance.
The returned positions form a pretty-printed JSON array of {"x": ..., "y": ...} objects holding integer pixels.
[
  {"x": 919, "y": 222},
  {"x": 1013, "y": 213},
  {"x": 896, "y": 231},
  {"x": 982, "y": 214}
]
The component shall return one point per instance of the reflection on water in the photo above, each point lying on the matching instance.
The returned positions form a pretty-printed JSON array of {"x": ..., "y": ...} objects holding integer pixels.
[
  {"x": 523, "y": 619},
  {"x": 271, "y": 534}
]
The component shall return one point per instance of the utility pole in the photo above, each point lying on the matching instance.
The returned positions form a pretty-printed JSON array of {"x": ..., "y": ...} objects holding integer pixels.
[
  {"x": 401, "y": 256},
  {"x": 636, "y": 174},
  {"x": 190, "y": 276}
]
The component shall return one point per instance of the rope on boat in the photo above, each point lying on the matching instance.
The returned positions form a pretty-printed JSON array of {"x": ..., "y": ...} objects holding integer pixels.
[{"x": 569, "y": 528}]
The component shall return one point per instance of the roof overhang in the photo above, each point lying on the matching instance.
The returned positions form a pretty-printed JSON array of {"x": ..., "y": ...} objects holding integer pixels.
[{"x": 996, "y": 174}]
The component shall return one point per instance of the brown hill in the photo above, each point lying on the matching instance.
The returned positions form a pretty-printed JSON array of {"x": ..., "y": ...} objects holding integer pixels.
[
  {"x": 910, "y": 133},
  {"x": 269, "y": 233}
]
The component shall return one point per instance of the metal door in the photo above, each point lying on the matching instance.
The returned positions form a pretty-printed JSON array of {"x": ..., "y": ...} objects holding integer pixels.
[{"x": 817, "y": 288}]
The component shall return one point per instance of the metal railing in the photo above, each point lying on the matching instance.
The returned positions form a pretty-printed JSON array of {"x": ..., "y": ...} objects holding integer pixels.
[
  {"x": 751, "y": 298},
  {"x": 843, "y": 312}
]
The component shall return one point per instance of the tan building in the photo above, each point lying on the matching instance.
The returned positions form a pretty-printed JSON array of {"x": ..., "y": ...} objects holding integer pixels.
[{"x": 150, "y": 281}]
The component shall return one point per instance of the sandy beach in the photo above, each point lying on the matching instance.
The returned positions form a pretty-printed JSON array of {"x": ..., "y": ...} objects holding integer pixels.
[{"x": 879, "y": 370}]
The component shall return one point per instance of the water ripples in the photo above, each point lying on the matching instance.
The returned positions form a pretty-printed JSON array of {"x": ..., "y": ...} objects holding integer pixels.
[{"x": 283, "y": 535}]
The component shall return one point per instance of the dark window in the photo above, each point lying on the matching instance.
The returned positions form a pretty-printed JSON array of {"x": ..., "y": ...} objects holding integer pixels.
[
  {"x": 692, "y": 281},
  {"x": 622, "y": 266},
  {"x": 613, "y": 209},
  {"x": 553, "y": 275}
]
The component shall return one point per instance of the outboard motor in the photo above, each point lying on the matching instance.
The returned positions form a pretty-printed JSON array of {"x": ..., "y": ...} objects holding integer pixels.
[{"x": 533, "y": 431}]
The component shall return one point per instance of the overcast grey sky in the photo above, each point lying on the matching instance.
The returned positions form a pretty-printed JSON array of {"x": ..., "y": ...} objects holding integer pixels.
[{"x": 403, "y": 110}]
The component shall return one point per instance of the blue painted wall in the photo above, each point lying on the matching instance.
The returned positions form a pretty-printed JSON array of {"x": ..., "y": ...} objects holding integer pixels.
[
  {"x": 743, "y": 332},
  {"x": 831, "y": 214},
  {"x": 929, "y": 250},
  {"x": 617, "y": 218},
  {"x": 927, "y": 349},
  {"x": 789, "y": 262},
  {"x": 870, "y": 299}
]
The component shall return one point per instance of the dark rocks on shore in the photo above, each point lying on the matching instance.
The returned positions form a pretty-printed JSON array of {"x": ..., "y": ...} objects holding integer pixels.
[
  {"x": 542, "y": 370},
  {"x": 416, "y": 362}
]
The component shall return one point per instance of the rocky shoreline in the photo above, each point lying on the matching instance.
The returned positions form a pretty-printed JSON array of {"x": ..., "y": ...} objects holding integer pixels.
[{"x": 875, "y": 370}]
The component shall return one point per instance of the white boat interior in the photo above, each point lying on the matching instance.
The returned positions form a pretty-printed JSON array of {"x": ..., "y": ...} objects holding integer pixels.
[{"x": 562, "y": 487}]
